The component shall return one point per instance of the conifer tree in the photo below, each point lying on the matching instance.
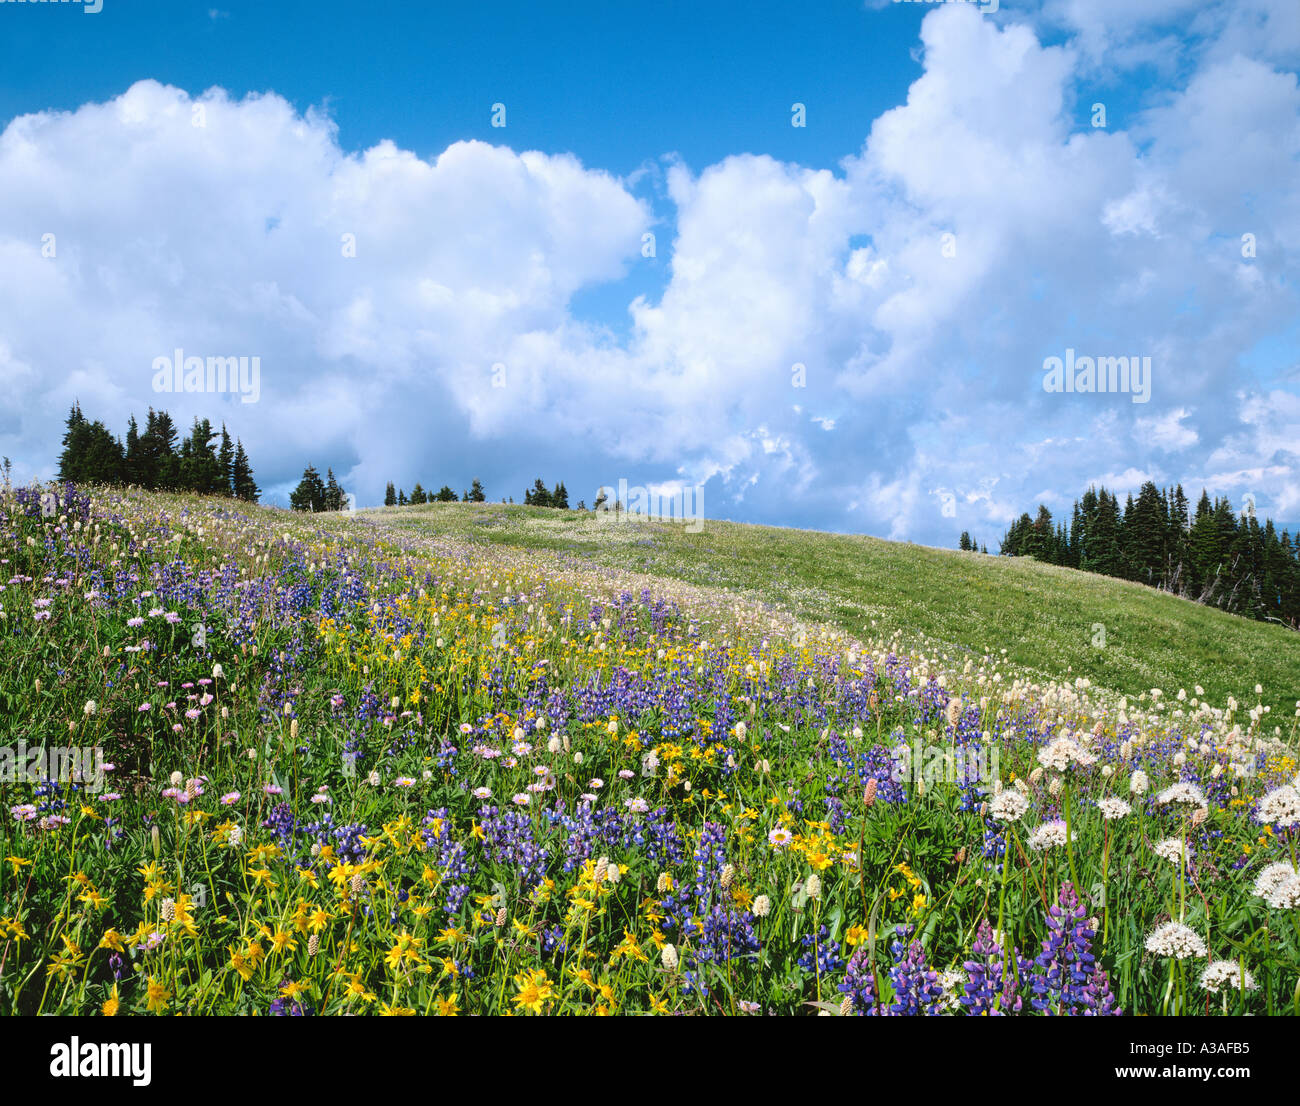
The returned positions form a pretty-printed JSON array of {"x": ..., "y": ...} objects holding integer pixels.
[
  {"x": 226, "y": 462},
  {"x": 309, "y": 495},
  {"x": 334, "y": 493},
  {"x": 242, "y": 481}
]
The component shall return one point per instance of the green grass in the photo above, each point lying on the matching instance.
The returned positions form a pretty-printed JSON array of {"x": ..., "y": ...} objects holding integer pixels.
[{"x": 1044, "y": 617}]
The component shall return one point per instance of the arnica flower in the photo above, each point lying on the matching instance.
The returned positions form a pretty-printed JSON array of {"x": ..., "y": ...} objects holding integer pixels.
[
  {"x": 1008, "y": 806},
  {"x": 1113, "y": 808},
  {"x": 1175, "y": 940},
  {"x": 1226, "y": 975},
  {"x": 1280, "y": 807}
]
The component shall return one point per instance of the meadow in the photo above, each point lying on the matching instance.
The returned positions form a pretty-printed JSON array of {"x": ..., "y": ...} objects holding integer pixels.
[{"x": 469, "y": 760}]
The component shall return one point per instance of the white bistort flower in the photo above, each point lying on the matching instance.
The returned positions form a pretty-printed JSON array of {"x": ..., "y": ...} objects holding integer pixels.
[
  {"x": 1176, "y": 940},
  {"x": 1138, "y": 783}
]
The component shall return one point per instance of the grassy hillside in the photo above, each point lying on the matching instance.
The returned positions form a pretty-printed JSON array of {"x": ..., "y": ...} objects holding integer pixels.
[
  {"x": 1045, "y": 618},
  {"x": 255, "y": 762}
]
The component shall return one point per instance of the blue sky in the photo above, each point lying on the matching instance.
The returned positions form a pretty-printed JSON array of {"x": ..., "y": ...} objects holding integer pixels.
[{"x": 947, "y": 220}]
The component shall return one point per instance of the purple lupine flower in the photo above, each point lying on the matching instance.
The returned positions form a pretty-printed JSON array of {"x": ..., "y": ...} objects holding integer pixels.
[{"x": 917, "y": 989}]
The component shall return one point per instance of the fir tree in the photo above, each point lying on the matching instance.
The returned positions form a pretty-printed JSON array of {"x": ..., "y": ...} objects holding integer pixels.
[
  {"x": 309, "y": 495},
  {"x": 226, "y": 462},
  {"x": 242, "y": 481},
  {"x": 334, "y": 493}
]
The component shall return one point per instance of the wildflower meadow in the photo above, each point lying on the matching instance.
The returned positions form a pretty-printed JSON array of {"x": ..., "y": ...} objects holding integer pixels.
[{"x": 267, "y": 763}]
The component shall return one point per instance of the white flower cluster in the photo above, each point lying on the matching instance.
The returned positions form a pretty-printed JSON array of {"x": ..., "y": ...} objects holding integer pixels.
[
  {"x": 1176, "y": 940},
  {"x": 1186, "y": 794},
  {"x": 1113, "y": 808},
  {"x": 1226, "y": 974},
  {"x": 1279, "y": 886},
  {"x": 1008, "y": 806},
  {"x": 1171, "y": 849},
  {"x": 1280, "y": 807},
  {"x": 1061, "y": 753},
  {"x": 1049, "y": 835}
]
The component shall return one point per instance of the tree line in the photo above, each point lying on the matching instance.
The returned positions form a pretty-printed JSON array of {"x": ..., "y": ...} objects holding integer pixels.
[
  {"x": 157, "y": 459},
  {"x": 536, "y": 496},
  {"x": 1217, "y": 556},
  {"x": 397, "y": 497}
]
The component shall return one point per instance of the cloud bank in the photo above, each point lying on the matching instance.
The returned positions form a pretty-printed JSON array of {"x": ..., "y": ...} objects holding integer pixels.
[{"x": 855, "y": 347}]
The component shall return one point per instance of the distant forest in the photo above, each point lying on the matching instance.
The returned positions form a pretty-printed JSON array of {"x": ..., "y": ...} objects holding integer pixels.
[
  {"x": 155, "y": 458},
  {"x": 536, "y": 496},
  {"x": 1218, "y": 556}
]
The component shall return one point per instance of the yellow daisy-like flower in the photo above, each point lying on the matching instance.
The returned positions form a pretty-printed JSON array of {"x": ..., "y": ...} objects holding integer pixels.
[
  {"x": 158, "y": 996},
  {"x": 534, "y": 990}
]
